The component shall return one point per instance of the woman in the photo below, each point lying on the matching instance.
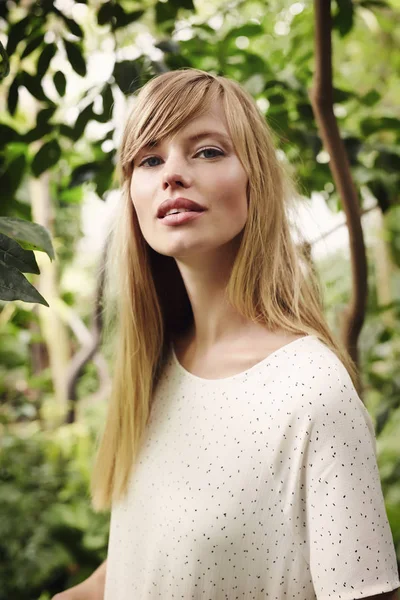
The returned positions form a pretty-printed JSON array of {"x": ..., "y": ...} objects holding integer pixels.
[{"x": 237, "y": 456}]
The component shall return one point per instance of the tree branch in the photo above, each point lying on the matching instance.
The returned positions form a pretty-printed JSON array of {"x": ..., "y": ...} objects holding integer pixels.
[{"x": 321, "y": 96}]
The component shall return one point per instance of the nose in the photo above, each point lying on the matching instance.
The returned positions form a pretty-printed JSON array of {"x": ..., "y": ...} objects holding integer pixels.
[
  {"x": 173, "y": 181},
  {"x": 175, "y": 175}
]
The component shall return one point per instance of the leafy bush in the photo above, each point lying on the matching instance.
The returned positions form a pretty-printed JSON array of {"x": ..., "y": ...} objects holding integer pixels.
[{"x": 50, "y": 539}]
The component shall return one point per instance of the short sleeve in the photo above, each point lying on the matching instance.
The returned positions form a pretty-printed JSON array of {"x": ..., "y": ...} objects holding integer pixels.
[{"x": 341, "y": 523}]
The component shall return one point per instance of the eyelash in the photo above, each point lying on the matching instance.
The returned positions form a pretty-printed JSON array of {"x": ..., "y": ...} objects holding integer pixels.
[{"x": 220, "y": 153}]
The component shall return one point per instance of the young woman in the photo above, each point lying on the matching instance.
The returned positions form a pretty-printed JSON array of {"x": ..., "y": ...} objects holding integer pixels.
[{"x": 237, "y": 457}]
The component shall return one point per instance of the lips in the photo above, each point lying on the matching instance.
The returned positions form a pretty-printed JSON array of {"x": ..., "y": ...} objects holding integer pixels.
[{"x": 178, "y": 203}]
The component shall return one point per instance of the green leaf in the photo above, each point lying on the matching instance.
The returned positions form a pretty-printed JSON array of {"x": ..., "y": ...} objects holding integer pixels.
[
  {"x": 167, "y": 46},
  {"x": 48, "y": 155},
  {"x": 344, "y": 17},
  {"x": 372, "y": 125},
  {"x": 30, "y": 236},
  {"x": 371, "y": 98},
  {"x": 75, "y": 57},
  {"x": 15, "y": 286},
  {"x": 34, "y": 86},
  {"x": 38, "y": 132},
  {"x": 13, "y": 255},
  {"x": 248, "y": 30},
  {"x": 45, "y": 59},
  {"x": 32, "y": 45},
  {"x": 85, "y": 172},
  {"x": 12, "y": 173},
  {"x": 44, "y": 115},
  {"x": 108, "y": 100},
  {"x": 4, "y": 64},
  {"x": 74, "y": 28},
  {"x": 340, "y": 95},
  {"x": 83, "y": 118},
  {"x": 7, "y": 134},
  {"x": 127, "y": 76},
  {"x": 133, "y": 16},
  {"x": 17, "y": 34},
  {"x": 104, "y": 179},
  {"x": 106, "y": 13},
  {"x": 12, "y": 99},
  {"x": 166, "y": 14},
  {"x": 67, "y": 131},
  {"x": 60, "y": 82}
]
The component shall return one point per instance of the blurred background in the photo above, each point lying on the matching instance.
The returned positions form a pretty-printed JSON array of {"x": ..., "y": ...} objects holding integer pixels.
[{"x": 68, "y": 71}]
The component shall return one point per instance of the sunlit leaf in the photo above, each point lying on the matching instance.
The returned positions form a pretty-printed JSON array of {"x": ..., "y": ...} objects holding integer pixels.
[{"x": 31, "y": 236}]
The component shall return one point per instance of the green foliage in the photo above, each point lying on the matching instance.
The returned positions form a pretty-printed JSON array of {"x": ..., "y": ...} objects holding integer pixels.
[
  {"x": 16, "y": 258},
  {"x": 50, "y": 539}
]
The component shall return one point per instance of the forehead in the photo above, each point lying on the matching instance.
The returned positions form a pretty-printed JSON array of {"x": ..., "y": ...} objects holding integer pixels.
[{"x": 210, "y": 124}]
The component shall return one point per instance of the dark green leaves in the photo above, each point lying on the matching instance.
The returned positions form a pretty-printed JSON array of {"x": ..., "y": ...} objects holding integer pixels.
[
  {"x": 60, "y": 82},
  {"x": 14, "y": 286},
  {"x": 48, "y": 155},
  {"x": 7, "y": 134},
  {"x": 75, "y": 57},
  {"x": 100, "y": 172},
  {"x": 343, "y": 19},
  {"x": 45, "y": 58},
  {"x": 105, "y": 13},
  {"x": 30, "y": 236},
  {"x": 32, "y": 45},
  {"x": 372, "y": 125},
  {"x": 166, "y": 12},
  {"x": 17, "y": 34},
  {"x": 84, "y": 173},
  {"x": 74, "y": 28},
  {"x": 108, "y": 100},
  {"x": 5, "y": 63},
  {"x": 13, "y": 255},
  {"x": 12, "y": 99},
  {"x": 127, "y": 76},
  {"x": 34, "y": 86},
  {"x": 112, "y": 13}
]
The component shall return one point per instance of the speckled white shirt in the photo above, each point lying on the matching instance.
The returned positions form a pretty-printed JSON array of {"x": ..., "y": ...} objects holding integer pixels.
[{"x": 259, "y": 485}]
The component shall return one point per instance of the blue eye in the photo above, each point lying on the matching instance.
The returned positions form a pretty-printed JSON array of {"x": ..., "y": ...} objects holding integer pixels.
[
  {"x": 219, "y": 152},
  {"x": 146, "y": 160}
]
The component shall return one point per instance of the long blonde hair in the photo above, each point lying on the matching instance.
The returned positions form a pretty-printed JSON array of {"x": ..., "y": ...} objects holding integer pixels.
[{"x": 271, "y": 281}]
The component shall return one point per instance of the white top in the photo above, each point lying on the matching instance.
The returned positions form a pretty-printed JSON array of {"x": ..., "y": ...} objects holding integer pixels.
[{"x": 260, "y": 485}]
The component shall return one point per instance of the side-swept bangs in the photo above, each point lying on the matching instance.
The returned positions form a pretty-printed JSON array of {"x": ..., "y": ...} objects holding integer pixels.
[{"x": 165, "y": 105}]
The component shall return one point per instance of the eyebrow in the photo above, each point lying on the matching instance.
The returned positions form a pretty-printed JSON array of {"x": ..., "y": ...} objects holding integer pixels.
[{"x": 196, "y": 137}]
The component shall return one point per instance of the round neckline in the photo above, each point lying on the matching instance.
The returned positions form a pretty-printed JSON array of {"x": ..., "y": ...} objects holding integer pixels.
[{"x": 265, "y": 360}]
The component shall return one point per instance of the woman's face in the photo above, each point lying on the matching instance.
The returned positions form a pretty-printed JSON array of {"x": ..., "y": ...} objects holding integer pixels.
[{"x": 199, "y": 164}]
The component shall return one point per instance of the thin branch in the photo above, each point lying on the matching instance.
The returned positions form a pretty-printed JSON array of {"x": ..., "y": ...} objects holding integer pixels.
[{"x": 321, "y": 96}]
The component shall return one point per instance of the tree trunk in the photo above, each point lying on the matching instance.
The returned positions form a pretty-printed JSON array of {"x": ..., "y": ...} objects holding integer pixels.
[
  {"x": 52, "y": 328},
  {"x": 321, "y": 96}
]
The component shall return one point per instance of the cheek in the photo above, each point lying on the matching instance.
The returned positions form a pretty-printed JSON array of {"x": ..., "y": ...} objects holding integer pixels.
[
  {"x": 233, "y": 190},
  {"x": 137, "y": 195}
]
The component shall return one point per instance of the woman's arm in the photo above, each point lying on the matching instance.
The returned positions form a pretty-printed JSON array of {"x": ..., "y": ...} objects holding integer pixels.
[{"x": 91, "y": 589}]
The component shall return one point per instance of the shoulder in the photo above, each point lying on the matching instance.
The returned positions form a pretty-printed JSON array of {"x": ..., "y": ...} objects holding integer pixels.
[{"x": 324, "y": 389}]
